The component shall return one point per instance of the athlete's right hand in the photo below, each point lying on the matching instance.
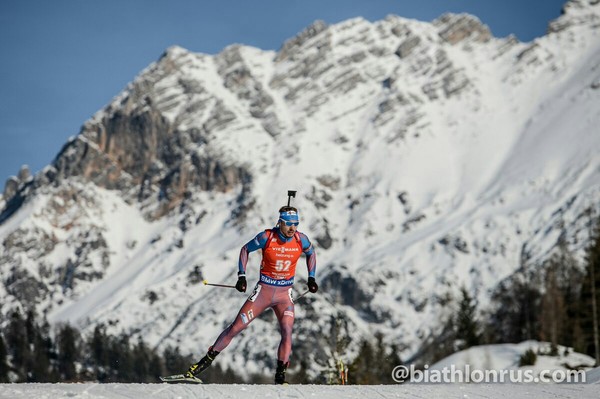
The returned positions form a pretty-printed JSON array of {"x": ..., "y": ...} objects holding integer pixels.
[{"x": 241, "y": 284}]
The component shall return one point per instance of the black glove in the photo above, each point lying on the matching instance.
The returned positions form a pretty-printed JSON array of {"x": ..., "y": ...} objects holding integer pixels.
[
  {"x": 241, "y": 284},
  {"x": 312, "y": 285}
]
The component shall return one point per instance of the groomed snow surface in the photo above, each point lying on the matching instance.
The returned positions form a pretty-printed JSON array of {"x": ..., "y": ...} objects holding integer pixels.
[
  {"x": 463, "y": 391},
  {"x": 503, "y": 357}
]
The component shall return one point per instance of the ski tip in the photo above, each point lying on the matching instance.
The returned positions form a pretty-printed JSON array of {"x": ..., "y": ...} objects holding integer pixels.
[
  {"x": 180, "y": 378},
  {"x": 205, "y": 282}
]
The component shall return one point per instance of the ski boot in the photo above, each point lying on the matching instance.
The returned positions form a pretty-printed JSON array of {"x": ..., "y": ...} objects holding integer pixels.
[
  {"x": 280, "y": 372},
  {"x": 203, "y": 364}
]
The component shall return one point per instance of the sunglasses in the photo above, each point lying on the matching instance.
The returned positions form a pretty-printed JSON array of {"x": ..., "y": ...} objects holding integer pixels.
[{"x": 290, "y": 223}]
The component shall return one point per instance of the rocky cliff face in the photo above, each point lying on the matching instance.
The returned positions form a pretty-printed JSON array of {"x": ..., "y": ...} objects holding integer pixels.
[{"x": 426, "y": 155}]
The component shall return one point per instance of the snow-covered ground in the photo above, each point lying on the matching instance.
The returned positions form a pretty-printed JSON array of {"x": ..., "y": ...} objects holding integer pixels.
[
  {"x": 506, "y": 357},
  {"x": 589, "y": 389},
  {"x": 463, "y": 391}
]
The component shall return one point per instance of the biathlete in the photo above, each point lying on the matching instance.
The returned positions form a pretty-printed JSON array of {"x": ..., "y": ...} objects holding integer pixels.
[{"x": 281, "y": 248}]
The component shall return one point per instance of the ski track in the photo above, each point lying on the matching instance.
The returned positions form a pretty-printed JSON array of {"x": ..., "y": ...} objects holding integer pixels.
[{"x": 214, "y": 391}]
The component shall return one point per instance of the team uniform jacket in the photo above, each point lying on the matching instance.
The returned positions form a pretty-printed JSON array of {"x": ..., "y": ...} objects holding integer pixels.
[{"x": 280, "y": 256}]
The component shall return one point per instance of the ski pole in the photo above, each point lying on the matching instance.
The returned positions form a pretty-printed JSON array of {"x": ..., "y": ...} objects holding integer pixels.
[
  {"x": 304, "y": 293},
  {"x": 218, "y": 285}
]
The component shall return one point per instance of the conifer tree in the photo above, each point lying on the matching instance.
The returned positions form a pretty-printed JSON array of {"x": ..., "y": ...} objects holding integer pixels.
[
  {"x": 145, "y": 363},
  {"x": 37, "y": 365},
  {"x": 301, "y": 376},
  {"x": 558, "y": 317},
  {"x": 388, "y": 359},
  {"x": 30, "y": 326},
  {"x": 517, "y": 305},
  {"x": 98, "y": 344},
  {"x": 16, "y": 342},
  {"x": 3, "y": 361},
  {"x": 155, "y": 368},
  {"x": 590, "y": 298},
  {"x": 553, "y": 311},
  {"x": 40, "y": 369},
  {"x": 68, "y": 353},
  {"x": 174, "y": 361},
  {"x": 120, "y": 359},
  {"x": 362, "y": 366},
  {"x": 568, "y": 278},
  {"x": 467, "y": 327},
  {"x": 374, "y": 363}
]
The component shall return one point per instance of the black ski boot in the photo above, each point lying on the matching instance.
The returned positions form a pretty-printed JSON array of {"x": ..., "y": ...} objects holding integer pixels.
[
  {"x": 203, "y": 364},
  {"x": 280, "y": 372}
]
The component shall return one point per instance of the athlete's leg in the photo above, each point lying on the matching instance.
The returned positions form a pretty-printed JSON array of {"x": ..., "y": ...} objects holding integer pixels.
[
  {"x": 284, "y": 310},
  {"x": 253, "y": 307}
]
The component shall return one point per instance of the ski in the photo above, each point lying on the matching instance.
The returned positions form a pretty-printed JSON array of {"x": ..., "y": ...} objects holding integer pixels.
[{"x": 180, "y": 378}]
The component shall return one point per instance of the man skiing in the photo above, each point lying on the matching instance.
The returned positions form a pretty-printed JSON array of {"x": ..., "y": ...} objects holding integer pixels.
[{"x": 281, "y": 249}]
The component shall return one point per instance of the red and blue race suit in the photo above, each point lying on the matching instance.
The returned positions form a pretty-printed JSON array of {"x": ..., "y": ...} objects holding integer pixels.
[
  {"x": 280, "y": 255},
  {"x": 273, "y": 290}
]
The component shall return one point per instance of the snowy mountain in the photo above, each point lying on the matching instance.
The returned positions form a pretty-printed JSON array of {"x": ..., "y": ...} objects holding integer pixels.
[{"x": 427, "y": 156}]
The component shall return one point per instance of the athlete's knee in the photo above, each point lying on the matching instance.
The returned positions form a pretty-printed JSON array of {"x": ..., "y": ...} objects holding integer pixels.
[
  {"x": 286, "y": 330},
  {"x": 237, "y": 327},
  {"x": 286, "y": 327}
]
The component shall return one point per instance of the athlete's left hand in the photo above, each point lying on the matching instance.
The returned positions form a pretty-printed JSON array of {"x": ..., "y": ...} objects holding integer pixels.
[{"x": 312, "y": 285}]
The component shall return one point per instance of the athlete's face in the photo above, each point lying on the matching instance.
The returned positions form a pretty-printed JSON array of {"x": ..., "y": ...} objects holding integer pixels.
[{"x": 286, "y": 230}]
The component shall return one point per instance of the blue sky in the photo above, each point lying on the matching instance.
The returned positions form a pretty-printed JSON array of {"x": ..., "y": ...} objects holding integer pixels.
[{"x": 63, "y": 60}]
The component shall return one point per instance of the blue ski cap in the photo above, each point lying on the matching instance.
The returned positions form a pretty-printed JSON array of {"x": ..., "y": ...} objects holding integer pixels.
[{"x": 289, "y": 216}]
